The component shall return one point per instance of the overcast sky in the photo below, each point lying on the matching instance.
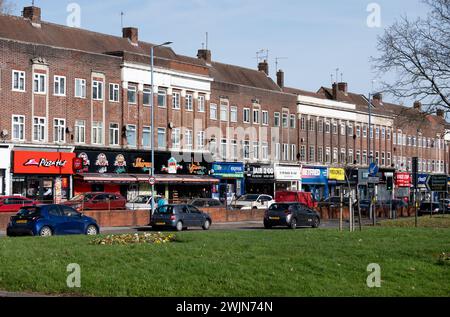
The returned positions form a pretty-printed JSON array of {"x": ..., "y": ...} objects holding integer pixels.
[{"x": 316, "y": 36}]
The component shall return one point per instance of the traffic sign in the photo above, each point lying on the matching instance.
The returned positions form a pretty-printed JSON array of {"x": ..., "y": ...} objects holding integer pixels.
[
  {"x": 437, "y": 183},
  {"x": 373, "y": 169},
  {"x": 374, "y": 180},
  {"x": 152, "y": 181}
]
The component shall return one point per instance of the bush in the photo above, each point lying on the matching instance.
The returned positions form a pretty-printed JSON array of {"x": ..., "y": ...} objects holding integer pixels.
[{"x": 126, "y": 239}]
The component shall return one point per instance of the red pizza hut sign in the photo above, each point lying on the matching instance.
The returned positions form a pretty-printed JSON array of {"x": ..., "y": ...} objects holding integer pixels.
[
  {"x": 403, "y": 179},
  {"x": 57, "y": 163}
]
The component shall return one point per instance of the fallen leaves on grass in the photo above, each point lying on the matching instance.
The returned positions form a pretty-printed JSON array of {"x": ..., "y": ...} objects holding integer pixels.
[{"x": 126, "y": 239}]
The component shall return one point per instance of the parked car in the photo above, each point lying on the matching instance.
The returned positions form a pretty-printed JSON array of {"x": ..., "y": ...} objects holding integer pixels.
[
  {"x": 48, "y": 220},
  {"x": 253, "y": 201},
  {"x": 14, "y": 203},
  {"x": 445, "y": 205},
  {"x": 206, "y": 203},
  {"x": 427, "y": 208},
  {"x": 291, "y": 215},
  {"x": 333, "y": 202},
  {"x": 304, "y": 198},
  {"x": 97, "y": 201},
  {"x": 142, "y": 202},
  {"x": 180, "y": 217}
]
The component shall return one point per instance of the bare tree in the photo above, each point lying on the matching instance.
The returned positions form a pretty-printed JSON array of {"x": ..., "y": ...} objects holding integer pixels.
[
  {"x": 6, "y": 7},
  {"x": 417, "y": 52}
]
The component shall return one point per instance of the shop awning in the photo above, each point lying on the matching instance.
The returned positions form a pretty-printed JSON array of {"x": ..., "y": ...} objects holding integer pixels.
[{"x": 134, "y": 178}]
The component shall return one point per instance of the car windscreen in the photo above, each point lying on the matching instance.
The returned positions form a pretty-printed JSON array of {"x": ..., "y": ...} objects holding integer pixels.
[
  {"x": 279, "y": 207},
  {"x": 29, "y": 212},
  {"x": 248, "y": 198},
  {"x": 81, "y": 197}
]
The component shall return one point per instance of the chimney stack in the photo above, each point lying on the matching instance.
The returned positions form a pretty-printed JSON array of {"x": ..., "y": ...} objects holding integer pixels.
[
  {"x": 440, "y": 113},
  {"x": 280, "y": 78},
  {"x": 132, "y": 34},
  {"x": 418, "y": 105},
  {"x": 33, "y": 14},
  {"x": 343, "y": 87},
  {"x": 378, "y": 97},
  {"x": 264, "y": 67},
  {"x": 205, "y": 55}
]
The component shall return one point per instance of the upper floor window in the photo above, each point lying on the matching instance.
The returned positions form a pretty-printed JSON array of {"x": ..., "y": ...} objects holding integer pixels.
[
  {"x": 189, "y": 102},
  {"x": 350, "y": 131},
  {"x": 39, "y": 83},
  {"x": 285, "y": 120},
  {"x": 162, "y": 98},
  {"x": 327, "y": 127},
  {"x": 131, "y": 135},
  {"x": 97, "y": 133},
  {"x": 80, "y": 88},
  {"x": 292, "y": 121},
  {"x": 114, "y": 92},
  {"x": 59, "y": 130},
  {"x": 176, "y": 100},
  {"x": 201, "y": 103},
  {"x": 60, "y": 85},
  {"x": 233, "y": 114},
  {"x": 147, "y": 96},
  {"x": 320, "y": 126},
  {"x": 18, "y": 80},
  {"x": 276, "y": 119},
  {"x": 146, "y": 137},
  {"x": 358, "y": 131},
  {"x": 343, "y": 128},
  {"x": 176, "y": 138},
  {"x": 80, "y": 131},
  {"x": 39, "y": 128},
  {"x": 114, "y": 134},
  {"x": 223, "y": 112},
  {"x": 256, "y": 116},
  {"x": 132, "y": 94},
  {"x": 246, "y": 115},
  {"x": 213, "y": 111},
  {"x": 18, "y": 128},
  {"x": 265, "y": 117},
  {"x": 312, "y": 124},
  {"x": 335, "y": 128},
  {"x": 303, "y": 123},
  {"x": 97, "y": 90}
]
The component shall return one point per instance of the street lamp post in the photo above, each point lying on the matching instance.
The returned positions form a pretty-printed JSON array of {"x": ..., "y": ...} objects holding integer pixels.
[{"x": 152, "y": 137}]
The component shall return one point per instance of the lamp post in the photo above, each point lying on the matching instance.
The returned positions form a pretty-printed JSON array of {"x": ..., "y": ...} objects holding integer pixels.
[{"x": 152, "y": 137}]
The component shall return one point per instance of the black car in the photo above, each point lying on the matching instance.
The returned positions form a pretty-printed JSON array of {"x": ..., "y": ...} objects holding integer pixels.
[
  {"x": 180, "y": 217},
  {"x": 292, "y": 215},
  {"x": 206, "y": 203},
  {"x": 427, "y": 208},
  {"x": 334, "y": 202}
]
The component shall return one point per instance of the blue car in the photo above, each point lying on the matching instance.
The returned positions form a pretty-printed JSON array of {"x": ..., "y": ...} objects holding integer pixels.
[{"x": 49, "y": 220}]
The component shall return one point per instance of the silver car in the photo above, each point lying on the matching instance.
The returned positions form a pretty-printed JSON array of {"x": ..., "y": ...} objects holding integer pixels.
[
  {"x": 253, "y": 201},
  {"x": 142, "y": 202},
  {"x": 180, "y": 217}
]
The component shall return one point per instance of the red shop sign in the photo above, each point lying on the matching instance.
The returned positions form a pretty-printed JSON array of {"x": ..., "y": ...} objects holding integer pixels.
[
  {"x": 55, "y": 163},
  {"x": 403, "y": 179}
]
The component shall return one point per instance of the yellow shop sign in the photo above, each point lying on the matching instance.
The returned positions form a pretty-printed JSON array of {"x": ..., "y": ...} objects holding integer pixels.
[{"x": 337, "y": 174}]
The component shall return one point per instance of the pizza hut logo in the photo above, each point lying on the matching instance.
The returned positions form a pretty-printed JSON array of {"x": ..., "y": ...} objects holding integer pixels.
[{"x": 43, "y": 162}]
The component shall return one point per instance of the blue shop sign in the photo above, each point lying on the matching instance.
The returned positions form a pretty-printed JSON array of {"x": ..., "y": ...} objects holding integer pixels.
[
  {"x": 422, "y": 180},
  {"x": 314, "y": 175},
  {"x": 228, "y": 170}
]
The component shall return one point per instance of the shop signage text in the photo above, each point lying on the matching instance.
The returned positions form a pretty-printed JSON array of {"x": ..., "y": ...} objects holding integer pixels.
[
  {"x": 314, "y": 175},
  {"x": 43, "y": 162},
  {"x": 228, "y": 170},
  {"x": 337, "y": 174},
  {"x": 403, "y": 179}
]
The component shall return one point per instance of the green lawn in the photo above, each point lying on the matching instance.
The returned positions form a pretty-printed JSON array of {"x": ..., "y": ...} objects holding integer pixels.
[
  {"x": 437, "y": 221},
  {"x": 243, "y": 263}
]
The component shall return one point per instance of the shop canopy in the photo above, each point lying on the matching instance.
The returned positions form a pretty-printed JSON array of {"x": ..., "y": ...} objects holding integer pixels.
[{"x": 133, "y": 178}]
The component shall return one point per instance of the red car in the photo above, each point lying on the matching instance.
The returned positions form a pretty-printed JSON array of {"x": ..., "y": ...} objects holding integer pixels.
[
  {"x": 97, "y": 201},
  {"x": 15, "y": 203}
]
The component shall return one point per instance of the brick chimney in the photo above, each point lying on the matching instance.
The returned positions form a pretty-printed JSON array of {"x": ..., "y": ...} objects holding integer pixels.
[
  {"x": 417, "y": 105},
  {"x": 132, "y": 34},
  {"x": 343, "y": 87},
  {"x": 33, "y": 14},
  {"x": 378, "y": 97},
  {"x": 264, "y": 67},
  {"x": 280, "y": 78},
  {"x": 440, "y": 113},
  {"x": 205, "y": 55}
]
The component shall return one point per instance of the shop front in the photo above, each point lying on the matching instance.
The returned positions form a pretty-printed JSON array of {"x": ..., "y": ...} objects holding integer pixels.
[
  {"x": 259, "y": 179},
  {"x": 5, "y": 170},
  {"x": 315, "y": 180},
  {"x": 337, "y": 181},
  {"x": 231, "y": 180},
  {"x": 128, "y": 173},
  {"x": 287, "y": 177},
  {"x": 44, "y": 176}
]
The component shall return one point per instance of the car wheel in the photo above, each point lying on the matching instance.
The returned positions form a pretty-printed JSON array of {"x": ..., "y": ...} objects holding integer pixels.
[
  {"x": 293, "y": 224},
  {"x": 267, "y": 225},
  {"x": 179, "y": 226},
  {"x": 316, "y": 223},
  {"x": 206, "y": 225},
  {"x": 46, "y": 232},
  {"x": 91, "y": 231}
]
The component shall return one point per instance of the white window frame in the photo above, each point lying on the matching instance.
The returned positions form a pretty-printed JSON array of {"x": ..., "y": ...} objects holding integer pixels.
[
  {"x": 265, "y": 118},
  {"x": 59, "y": 130},
  {"x": 162, "y": 146},
  {"x": 114, "y": 132},
  {"x": 188, "y": 139},
  {"x": 147, "y": 91},
  {"x": 37, "y": 87},
  {"x": 201, "y": 103},
  {"x": 200, "y": 146},
  {"x": 21, "y": 81},
  {"x": 277, "y": 119},
  {"x": 292, "y": 121},
  {"x": 246, "y": 115},
  {"x": 176, "y": 138},
  {"x": 189, "y": 104},
  {"x": 21, "y": 127},
  {"x": 162, "y": 93},
  {"x": 58, "y": 89},
  {"x": 132, "y": 128},
  {"x": 114, "y": 89},
  {"x": 223, "y": 110},
  {"x": 213, "y": 111},
  {"x": 41, "y": 127},
  {"x": 81, "y": 83},
  {"x": 98, "y": 87},
  {"x": 97, "y": 133},
  {"x": 80, "y": 132},
  {"x": 257, "y": 116},
  {"x": 233, "y": 114},
  {"x": 132, "y": 89},
  {"x": 147, "y": 130},
  {"x": 176, "y": 100}
]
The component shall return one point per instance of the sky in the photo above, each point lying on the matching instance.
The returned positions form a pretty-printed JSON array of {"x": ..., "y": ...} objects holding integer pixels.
[{"x": 313, "y": 38}]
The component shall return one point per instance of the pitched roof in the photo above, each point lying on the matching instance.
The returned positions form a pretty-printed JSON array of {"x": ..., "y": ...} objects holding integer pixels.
[
  {"x": 21, "y": 29},
  {"x": 242, "y": 76},
  {"x": 300, "y": 92}
]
